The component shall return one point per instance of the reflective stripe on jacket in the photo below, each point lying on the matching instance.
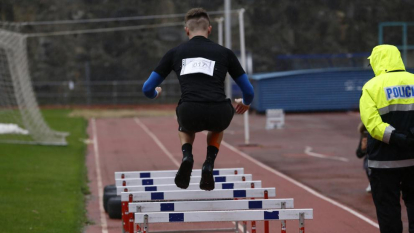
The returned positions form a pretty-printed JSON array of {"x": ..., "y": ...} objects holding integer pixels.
[{"x": 387, "y": 104}]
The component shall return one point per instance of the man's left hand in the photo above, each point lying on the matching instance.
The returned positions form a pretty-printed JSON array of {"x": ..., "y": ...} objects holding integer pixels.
[
  {"x": 159, "y": 90},
  {"x": 240, "y": 107}
]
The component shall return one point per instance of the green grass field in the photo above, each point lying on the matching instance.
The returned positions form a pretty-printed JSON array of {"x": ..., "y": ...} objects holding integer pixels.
[{"x": 42, "y": 188}]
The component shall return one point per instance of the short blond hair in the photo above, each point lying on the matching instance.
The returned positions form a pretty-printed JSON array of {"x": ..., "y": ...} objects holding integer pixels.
[{"x": 197, "y": 19}]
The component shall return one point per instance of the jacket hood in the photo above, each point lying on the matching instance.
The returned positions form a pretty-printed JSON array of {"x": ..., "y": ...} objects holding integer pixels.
[{"x": 385, "y": 58}]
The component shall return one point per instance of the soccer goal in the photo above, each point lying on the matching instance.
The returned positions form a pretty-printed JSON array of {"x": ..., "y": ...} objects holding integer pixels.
[{"x": 20, "y": 118}]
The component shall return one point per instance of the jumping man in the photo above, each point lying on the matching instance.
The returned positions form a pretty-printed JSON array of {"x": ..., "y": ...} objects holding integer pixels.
[{"x": 201, "y": 67}]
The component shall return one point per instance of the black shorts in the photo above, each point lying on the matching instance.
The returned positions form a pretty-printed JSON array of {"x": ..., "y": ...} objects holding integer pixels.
[{"x": 198, "y": 116}]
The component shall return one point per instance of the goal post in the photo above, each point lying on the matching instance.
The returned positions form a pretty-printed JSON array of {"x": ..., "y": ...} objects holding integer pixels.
[{"x": 18, "y": 106}]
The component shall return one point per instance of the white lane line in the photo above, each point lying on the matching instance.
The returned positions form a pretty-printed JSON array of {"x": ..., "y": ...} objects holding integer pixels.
[
  {"x": 297, "y": 183},
  {"x": 104, "y": 225},
  {"x": 308, "y": 151},
  {"x": 169, "y": 155},
  {"x": 157, "y": 141}
]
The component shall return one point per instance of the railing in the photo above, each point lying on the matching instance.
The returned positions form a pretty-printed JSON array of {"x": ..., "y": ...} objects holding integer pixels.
[
  {"x": 321, "y": 61},
  {"x": 101, "y": 92}
]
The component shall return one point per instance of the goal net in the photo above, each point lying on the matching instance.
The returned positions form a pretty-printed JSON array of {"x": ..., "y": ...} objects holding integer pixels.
[{"x": 20, "y": 118}]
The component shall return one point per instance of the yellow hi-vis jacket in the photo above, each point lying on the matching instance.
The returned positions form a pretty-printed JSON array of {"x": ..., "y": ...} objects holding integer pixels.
[{"x": 387, "y": 104}]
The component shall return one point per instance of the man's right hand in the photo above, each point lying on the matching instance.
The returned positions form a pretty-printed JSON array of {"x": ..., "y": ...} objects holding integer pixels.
[
  {"x": 401, "y": 140},
  {"x": 240, "y": 107},
  {"x": 159, "y": 90}
]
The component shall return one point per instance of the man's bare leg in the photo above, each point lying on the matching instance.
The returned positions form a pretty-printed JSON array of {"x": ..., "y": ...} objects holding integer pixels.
[
  {"x": 213, "y": 141},
  {"x": 182, "y": 179},
  {"x": 186, "y": 137}
]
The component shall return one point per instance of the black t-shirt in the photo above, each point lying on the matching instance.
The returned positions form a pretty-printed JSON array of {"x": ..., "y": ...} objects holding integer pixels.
[{"x": 201, "y": 67}]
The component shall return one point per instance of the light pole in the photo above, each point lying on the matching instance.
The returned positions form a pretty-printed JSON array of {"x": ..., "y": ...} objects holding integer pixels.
[{"x": 227, "y": 31}]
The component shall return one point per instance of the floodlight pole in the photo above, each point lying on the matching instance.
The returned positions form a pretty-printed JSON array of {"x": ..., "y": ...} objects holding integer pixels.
[
  {"x": 404, "y": 32},
  {"x": 227, "y": 25},
  {"x": 243, "y": 63},
  {"x": 220, "y": 30}
]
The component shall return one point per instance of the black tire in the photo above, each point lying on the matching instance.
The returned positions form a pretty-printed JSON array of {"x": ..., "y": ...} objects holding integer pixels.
[
  {"x": 109, "y": 188},
  {"x": 115, "y": 207},
  {"x": 108, "y": 195}
]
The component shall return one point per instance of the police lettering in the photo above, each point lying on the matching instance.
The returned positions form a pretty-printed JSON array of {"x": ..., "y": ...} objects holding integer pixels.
[{"x": 399, "y": 92}]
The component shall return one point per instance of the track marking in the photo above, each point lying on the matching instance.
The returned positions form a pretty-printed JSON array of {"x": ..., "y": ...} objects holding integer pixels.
[
  {"x": 297, "y": 183},
  {"x": 308, "y": 151},
  {"x": 260, "y": 164},
  {"x": 169, "y": 155},
  {"x": 99, "y": 177},
  {"x": 157, "y": 141}
]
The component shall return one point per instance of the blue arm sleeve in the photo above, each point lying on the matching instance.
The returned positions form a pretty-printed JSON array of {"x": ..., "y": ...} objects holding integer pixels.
[
  {"x": 246, "y": 87},
  {"x": 152, "y": 82}
]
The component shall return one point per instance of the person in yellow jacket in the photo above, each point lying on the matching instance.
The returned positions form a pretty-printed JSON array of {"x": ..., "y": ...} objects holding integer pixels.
[{"x": 387, "y": 111}]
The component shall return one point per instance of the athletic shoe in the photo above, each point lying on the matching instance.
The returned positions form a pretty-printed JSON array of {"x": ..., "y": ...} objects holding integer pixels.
[
  {"x": 183, "y": 176},
  {"x": 207, "y": 179},
  {"x": 368, "y": 189}
]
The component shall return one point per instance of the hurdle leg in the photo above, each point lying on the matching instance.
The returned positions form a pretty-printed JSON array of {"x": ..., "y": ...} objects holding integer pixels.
[
  {"x": 266, "y": 223},
  {"x": 236, "y": 224},
  {"x": 244, "y": 224},
  {"x": 244, "y": 227},
  {"x": 283, "y": 206},
  {"x": 138, "y": 227},
  {"x": 125, "y": 215},
  {"x": 301, "y": 222},
  {"x": 131, "y": 222},
  {"x": 253, "y": 222},
  {"x": 253, "y": 226},
  {"x": 146, "y": 230}
]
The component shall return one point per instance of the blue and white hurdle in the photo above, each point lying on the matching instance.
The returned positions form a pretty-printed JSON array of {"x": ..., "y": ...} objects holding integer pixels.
[
  {"x": 224, "y": 216},
  {"x": 171, "y": 173},
  {"x": 147, "y": 207},
  {"x": 193, "y": 186},
  {"x": 217, "y": 194},
  {"x": 197, "y": 194},
  {"x": 170, "y": 180},
  {"x": 149, "y": 197}
]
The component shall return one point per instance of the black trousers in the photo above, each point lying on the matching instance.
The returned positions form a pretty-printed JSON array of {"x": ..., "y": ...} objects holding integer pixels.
[
  {"x": 197, "y": 116},
  {"x": 386, "y": 186}
]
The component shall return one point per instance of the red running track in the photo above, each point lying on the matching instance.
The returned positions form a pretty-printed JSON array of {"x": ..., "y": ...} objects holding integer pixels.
[{"x": 126, "y": 144}]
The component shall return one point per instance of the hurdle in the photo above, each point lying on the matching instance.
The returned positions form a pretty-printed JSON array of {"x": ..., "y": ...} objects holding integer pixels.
[
  {"x": 193, "y": 186},
  {"x": 198, "y": 194},
  {"x": 151, "y": 197},
  {"x": 146, "y": 207},
  {"x": 210, "y": 205},
  {"x": 171, "y": 173},
  {"x": 170, "y": 180},
  {"x": 275, "y": 118},
  {"x": 149, "y": 183},
  {"x": 224, "y": 194},
  {"x": 223, "y": 216}
]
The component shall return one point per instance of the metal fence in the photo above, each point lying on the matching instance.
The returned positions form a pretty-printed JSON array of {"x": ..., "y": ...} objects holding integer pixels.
[
  {"x": 321, "y": 61},
  {"x": 101, "y": 92},
  {"x": 335, "y": 89}
]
